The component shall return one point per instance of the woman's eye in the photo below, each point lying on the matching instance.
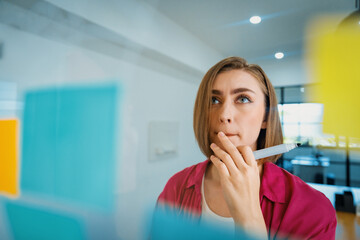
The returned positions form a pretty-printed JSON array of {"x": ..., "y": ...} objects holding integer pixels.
[
  {"x": 243, "y": 99},
  {"x": 214, "y": 100}
]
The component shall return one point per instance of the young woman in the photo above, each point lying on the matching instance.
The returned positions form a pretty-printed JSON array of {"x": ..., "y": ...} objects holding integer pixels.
[{"x": 235, "y": 114}]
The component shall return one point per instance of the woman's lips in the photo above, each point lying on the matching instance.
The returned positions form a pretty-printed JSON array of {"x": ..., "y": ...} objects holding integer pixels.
[{"x": 228, "y": 134}]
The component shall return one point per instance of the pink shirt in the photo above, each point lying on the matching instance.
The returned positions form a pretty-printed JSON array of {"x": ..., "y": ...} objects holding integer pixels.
[{"x": 290, "y": 207}]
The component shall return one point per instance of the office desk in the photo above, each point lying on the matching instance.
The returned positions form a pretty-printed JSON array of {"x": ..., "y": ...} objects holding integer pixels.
[{"x": 348, "y": 227}]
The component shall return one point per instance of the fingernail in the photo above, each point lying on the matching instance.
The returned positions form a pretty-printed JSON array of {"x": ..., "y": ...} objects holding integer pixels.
[
  {"x": 221, "y": 134},
  {"x": 212, "y": 145}
]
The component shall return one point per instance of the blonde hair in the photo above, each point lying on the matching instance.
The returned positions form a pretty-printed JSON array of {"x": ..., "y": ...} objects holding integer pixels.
[{"x": 268, "y": 137}]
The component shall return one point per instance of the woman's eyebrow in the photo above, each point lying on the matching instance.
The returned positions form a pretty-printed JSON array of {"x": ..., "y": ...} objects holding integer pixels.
[
  {"x": 238, "y": 90},
  {"x": 234, "y": 91}
]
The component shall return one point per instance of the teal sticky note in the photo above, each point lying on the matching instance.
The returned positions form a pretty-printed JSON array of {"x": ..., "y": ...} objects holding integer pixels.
[
  {"x": 40, "y": 224},
  {"x": 169, "y": 225},
  {"x": 69, "y": 143}
]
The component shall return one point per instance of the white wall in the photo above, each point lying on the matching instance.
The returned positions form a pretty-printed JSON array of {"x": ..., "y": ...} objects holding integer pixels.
[{"x": 31, "y": 61}]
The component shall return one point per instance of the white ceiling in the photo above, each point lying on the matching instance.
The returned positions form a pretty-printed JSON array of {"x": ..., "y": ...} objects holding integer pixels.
[{"x": 224, "y": 25}]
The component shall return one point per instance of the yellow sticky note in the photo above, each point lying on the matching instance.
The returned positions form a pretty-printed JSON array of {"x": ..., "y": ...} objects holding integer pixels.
[
  {"x": 8, "y": 157},
  {"x": 335, "y": 65}
]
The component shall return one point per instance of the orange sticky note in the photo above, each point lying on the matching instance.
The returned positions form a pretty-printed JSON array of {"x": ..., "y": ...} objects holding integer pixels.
[{"x": 8, "y": 157}]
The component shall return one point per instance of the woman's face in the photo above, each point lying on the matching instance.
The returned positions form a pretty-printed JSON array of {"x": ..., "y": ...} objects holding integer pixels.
[{"x": 238, "y": 108}]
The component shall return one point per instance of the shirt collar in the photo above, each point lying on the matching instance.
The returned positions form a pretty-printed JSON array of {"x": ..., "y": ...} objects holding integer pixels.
[
  {"x": 273, "y": 183},
  {"x": 196, "y": 176}
]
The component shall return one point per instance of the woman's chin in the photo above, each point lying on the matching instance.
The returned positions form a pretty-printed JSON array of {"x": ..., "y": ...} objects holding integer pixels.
[
  {"x": 236, "y": 141},
  {"x": 241, "y": 144}
]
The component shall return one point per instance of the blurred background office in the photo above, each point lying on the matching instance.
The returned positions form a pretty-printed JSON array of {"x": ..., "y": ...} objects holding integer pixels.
[{"x": 158, "y": 51}]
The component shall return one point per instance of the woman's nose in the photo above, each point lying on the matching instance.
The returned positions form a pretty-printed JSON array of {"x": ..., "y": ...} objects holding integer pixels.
[{"x": 226, "y": 113}]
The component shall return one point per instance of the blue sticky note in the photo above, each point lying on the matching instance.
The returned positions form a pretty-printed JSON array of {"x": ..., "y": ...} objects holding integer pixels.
[
  {"x": 168, "y": 225},
  {"x": 40, "y": 224},
  {"x": 69, "y": 143}
]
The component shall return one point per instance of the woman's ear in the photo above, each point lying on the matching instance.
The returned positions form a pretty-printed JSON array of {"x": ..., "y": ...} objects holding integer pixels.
[
  {"x": 266, "y": 116},
  {"x": 264, "y": 125}
]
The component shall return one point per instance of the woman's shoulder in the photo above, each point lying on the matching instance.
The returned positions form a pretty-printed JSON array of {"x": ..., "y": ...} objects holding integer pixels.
[
  {"x": 305, "y": 211},
  {"x": 299, "y": 192},
  {"x": 191, "y": 173},
  {"x": 183, "y": 179}
]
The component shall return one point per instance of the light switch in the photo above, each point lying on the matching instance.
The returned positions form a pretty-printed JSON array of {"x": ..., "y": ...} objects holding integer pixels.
[{"x": 163, "y": 140}]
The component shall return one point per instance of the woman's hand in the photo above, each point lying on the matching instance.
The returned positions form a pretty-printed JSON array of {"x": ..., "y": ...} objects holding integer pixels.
[{"x": 240, "y": 182}]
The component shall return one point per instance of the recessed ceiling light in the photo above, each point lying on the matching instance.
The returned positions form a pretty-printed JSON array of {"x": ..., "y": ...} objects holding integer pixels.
[
  {"x": 255, "y": 19},
  {"x": 279, "y": 55}
]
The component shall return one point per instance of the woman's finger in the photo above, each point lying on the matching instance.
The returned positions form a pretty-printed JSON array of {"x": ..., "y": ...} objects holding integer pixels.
[
  {"x": 232, "y": 150},
  {"x": 220, "y": 166},
  {"x": 247, "y": 154},
  {"x": 225, "y": 158}
]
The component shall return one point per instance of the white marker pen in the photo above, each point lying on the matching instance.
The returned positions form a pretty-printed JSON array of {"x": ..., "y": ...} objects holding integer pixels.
[{"x": 278, "y": 149}]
